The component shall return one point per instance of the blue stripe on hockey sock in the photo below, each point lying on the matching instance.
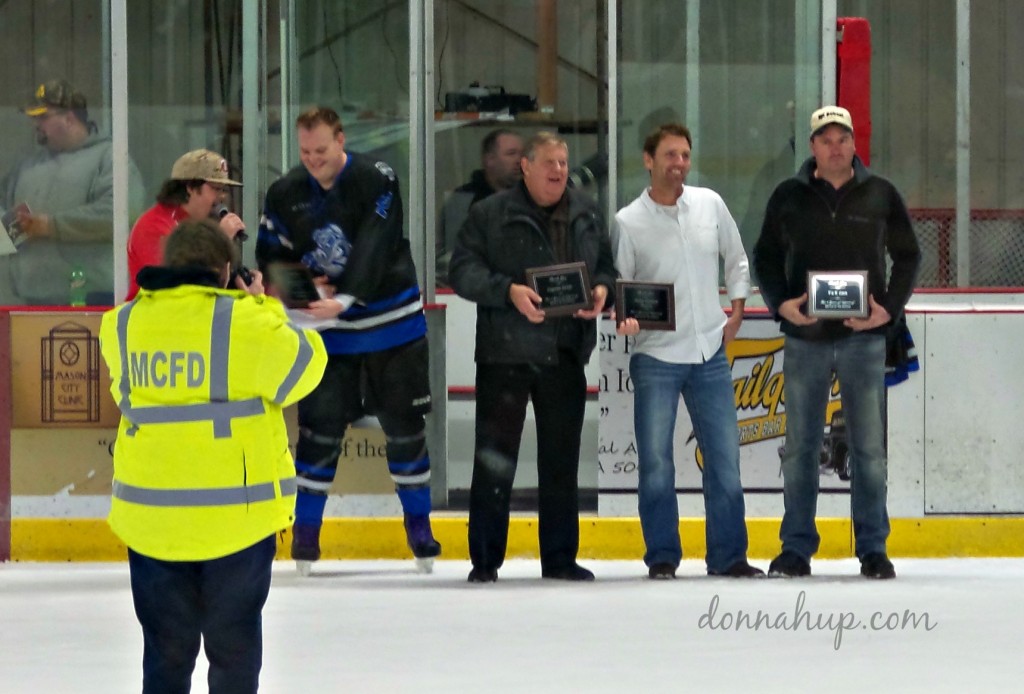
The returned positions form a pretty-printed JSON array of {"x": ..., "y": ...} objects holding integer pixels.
[
  {"x": 415, "y": 467},
  {"x": 314, "y": 472},
  {"x": 309, "y": 508},
  {"x": 415, "y": 502}
]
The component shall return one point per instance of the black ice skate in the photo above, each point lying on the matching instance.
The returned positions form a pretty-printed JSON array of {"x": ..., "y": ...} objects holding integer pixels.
[
  {"x": 421, "y": 541},
  {"x": 305, "y": 547}
]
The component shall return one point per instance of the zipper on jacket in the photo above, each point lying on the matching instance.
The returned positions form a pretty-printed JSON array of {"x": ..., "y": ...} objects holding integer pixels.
[
  {"x": 522, "y": 217},
  {"x": 832, "y": 213},
  {"x": 245, "y": 478}
]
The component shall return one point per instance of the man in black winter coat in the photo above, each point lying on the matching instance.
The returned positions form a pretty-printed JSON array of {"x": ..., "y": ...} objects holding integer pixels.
[
  {"x": 500, "y": 153},
  {"x": 835, "y": 216},
  {"x": 522, "y": 354}
]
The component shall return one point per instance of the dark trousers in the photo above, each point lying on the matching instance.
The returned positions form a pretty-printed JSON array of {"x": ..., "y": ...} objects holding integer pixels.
[
  {"x": 392, "y": 384},
  {"x": 559, "y": 397},
  {"x": 221, "y": 600}
]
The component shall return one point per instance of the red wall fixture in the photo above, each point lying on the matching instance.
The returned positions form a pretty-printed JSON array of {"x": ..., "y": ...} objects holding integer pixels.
[{"x": 853, "y": 78}]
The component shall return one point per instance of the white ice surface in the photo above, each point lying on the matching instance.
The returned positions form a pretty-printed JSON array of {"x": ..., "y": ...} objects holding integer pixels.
[{"x": 380, "y": 627}]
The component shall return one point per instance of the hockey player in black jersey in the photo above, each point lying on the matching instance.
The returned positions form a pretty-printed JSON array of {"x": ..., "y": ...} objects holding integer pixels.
[{"x": 340, "y": 214}]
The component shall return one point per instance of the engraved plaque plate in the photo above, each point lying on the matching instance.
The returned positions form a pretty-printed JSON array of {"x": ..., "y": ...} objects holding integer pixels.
[
  {"x": 837, "y": 294},
  {"x": 653, "y": 304},
  {"x": 564, "y": 289}
]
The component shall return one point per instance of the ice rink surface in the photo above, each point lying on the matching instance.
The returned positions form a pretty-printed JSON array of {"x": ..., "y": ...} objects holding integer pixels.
[{"x": 364, "y": 626}]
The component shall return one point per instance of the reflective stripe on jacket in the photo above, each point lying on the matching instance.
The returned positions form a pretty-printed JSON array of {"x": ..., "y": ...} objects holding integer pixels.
[{"x": 201, "y": 463}]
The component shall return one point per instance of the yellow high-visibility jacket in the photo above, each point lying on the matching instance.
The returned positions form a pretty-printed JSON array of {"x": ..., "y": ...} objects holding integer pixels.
[{"x": 201, "y": 463}]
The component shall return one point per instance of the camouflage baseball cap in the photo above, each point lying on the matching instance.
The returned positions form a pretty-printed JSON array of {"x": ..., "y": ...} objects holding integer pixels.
[
  {"x": 55, "y": 94},
  {"x": 204, "y": 165}
]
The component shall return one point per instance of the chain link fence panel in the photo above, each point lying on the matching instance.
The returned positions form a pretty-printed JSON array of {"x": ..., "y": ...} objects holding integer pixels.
[{"x": 996, "y": 247}]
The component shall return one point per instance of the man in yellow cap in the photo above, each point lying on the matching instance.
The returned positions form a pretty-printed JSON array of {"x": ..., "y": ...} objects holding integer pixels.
[
  {"x": 61, "y": 199},
  {"x": 196, "y": 190}
]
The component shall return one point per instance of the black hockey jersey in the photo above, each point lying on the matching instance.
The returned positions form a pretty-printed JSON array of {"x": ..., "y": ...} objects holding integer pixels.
[{"x": 352, "y": 234}]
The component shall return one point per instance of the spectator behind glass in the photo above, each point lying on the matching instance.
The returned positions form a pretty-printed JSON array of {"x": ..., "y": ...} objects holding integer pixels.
[
  {"x": 196, "y": 190},
  {"x": 500, "y": 152},
  {"x": 61, "y": 200}
]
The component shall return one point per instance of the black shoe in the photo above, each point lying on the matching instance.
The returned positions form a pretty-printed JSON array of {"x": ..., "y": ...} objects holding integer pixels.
[
  {"x": 789, "y": 565},
  {"x": 482, "y": 575},
  {"x": 877, "y": 565},
  {"x": 573, "y": 572},
  {"x": 741, "y": 569},
  {"x": 661, "y": 571}
]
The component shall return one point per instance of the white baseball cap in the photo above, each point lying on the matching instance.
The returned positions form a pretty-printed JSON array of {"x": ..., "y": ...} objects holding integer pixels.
[{"x": 830, "y": 115}]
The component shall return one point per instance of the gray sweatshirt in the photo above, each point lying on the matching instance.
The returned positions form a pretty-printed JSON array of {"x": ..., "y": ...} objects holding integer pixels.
[{"x": 75, "y": 188}]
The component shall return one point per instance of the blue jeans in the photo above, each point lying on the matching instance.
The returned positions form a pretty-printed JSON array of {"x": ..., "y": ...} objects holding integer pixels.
[
  {"x": 858, "y": 361},
  {"x": 219, "y": 599},
  {"x": 708, "y": 393}
]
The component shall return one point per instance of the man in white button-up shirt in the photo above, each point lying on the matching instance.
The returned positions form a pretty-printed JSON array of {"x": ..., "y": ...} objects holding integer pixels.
[{"x": 675, "y": 235}]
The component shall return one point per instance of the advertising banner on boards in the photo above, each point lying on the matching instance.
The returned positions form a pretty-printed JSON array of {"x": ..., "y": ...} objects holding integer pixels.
[
  {"x": 756, "y": 359},
  {"x": 64, "y": 423}
]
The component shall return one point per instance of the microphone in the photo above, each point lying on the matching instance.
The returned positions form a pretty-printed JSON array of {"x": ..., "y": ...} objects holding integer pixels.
[{"x": 220, "y": 211}]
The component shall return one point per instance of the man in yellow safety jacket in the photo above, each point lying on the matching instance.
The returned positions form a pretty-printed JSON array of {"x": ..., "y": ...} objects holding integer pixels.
[{"x": 203, "y": 478}]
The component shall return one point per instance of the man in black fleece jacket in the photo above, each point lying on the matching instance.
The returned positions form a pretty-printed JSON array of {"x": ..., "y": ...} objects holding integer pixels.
[{"x": 835, "y": 215}]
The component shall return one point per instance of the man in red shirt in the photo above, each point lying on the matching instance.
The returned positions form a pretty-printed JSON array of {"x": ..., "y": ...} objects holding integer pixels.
[{"x": 197, "y": 185}]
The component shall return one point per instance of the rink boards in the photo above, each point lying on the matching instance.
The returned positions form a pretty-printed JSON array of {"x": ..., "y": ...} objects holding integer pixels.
[{"x": 955, "y": 486}]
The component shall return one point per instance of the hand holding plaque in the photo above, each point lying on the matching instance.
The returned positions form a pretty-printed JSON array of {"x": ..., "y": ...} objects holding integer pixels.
[
  {"x": 563, "y": 289},
  {"x": 837, "y": 294},
  {"x": 652, "y": 304}
]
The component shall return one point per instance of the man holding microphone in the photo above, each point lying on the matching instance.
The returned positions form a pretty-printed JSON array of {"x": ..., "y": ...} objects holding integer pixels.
[{"x": 196, "y": 190}]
